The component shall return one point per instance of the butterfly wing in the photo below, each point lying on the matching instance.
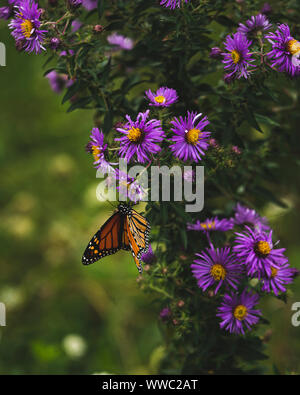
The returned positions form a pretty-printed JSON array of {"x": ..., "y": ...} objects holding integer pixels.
[
  {"x": 107, "y": 241},
  {"x": 140, "y": 229}
]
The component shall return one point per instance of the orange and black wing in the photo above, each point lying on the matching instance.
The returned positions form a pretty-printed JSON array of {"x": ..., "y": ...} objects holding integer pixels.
[
  {"x": 140, "y": 229},
  {"x": 108, "y": 240}
]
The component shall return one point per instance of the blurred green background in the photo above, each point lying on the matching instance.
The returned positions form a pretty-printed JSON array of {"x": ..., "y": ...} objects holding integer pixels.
[{"x": 63, "y": 317}]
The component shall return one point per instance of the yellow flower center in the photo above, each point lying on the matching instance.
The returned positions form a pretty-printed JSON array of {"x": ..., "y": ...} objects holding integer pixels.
[
  {"x": 235, "y": 55},
  {"x": 263, "y": 248},
  {"x": 26, "y": 27},
  {"x": 210, "y": 225},
  {"x": 218, "y": 272},
  {"x": 240, "y": 312},
  {"x": 96, "y": 151},
  {"x": 293, "y": 46},
  {"x": 134, "y": 135},
  {"x": 160, "y": 99},
  {"x": 274, "y": 271},
  {"x": 192, "y": 136}
]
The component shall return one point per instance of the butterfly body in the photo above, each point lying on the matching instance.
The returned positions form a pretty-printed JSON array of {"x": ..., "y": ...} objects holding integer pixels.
[{"x": 126, "y": 230}]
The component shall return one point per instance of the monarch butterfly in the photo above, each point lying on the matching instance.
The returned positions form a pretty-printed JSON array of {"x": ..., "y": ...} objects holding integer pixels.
[{"x": 126, "y": 230}]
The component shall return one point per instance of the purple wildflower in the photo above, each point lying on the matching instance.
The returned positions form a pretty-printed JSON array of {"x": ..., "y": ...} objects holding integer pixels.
[
  {"x": 266, "y": 9},
  {"x": 58, "y": 82},
  {"x": 238, "y": 58},
  {"x": 190, "y": 141},
  {"x": 89, "y": 4},
  {"x": 237, "y": 312},
  {"x": 69, "y": 52},
  {"x": 26, "y": 26},
  {"x": 76, "y": 25},
  {"x": 163, "y": 97},
  {"x": 54, "y": 43},
  {"x": 212, "y": 224},
  {"x": 216, "y": 53},
  {"x": 255, "y": 26},
  {"x": 140, "y": 138},
  {"x": 97, "y": 148},
  {"x": 285, "y": 50},
  {"x": 75, "y": 3},
  {"x": 215, "y": 267},
  {"x": 247, "y": 216},
  {"x": 280, "y": 276},
  {"x": 189, "y": 175},
  {"x": 120, "y": 42},
  {"x": 149, "y": 256},
  {"x": 129, "y": 187},
  {"x": 256, "y": 250},
  {"x": 5, "y": 13},
  {"x": 172, "y": 4},
  {"x": 165, "y": 313}
]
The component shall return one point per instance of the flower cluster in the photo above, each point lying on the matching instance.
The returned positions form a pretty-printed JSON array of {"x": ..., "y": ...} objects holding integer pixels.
[
  {"x": 228, "y": 270},
  {"x": 172, "y": 4},
  {"x": 248, "y": 43},
  {"x": 143, "y": 138}
]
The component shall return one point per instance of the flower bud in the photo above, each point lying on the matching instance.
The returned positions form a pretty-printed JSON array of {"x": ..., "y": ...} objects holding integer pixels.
[
  {"x": 216, "y": 53},
  {"x": 98, "y": 28},
  {"x": 75, "y": 3},
  {"x": 54, "y": 43}
]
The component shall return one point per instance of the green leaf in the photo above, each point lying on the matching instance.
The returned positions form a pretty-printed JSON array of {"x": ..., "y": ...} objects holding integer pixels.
[
  {"x": 74, "y": 88},
  {"x": 250, "y": 117},
  {"x": 80, "y": 103},
  {"x": 266, "y": 120}
]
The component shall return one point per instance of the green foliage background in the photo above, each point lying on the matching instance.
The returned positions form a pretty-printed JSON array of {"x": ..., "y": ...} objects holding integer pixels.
[{"x": 49, "y": 210}]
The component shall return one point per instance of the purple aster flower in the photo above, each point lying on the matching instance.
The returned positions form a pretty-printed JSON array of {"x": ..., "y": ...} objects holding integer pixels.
[
  {"x": 5, "y": 13},
  {"x": 189, "y": 175},
  {"x": 70, "y": 52},
  {"x": 280, "y": 276},
  {"x": 97, "y": 148},
  {"x": 75, "y": 3},
  {"x": 216, "y": 267},
  {"x": 149, "y": 256},
  {"x": 136, "y": 192},
  {"x": 266, "y": 9},
  {"x": 26, "y": 26},
  {"x": 216, "y": 53},
  {"x": 212, "y": 224},
  {"x": 58, "y": 82},
  {"x": 247, "y": 216},
  {"x": 238, "y": 58},
  {"x": 54, "y": 43},
  {"x": 120, "y": 42},
  {"x": 129, "y": 187},
  {"x": 140, "y": 138},
  {"x": 190, "y": 141},
  {"x": 255, "y": 26},
  {"x": 285, "y": 50},
  {"x": 165, "y": 313},
  {"x": 163, "y": 97},
  {"x": 76, "y": 25},
  {"x": 256, "y": 250},
  {"x": 172, "y": 4},
  {"x": 89, "y": 4},
  {"x": 237, "y": 312}
]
